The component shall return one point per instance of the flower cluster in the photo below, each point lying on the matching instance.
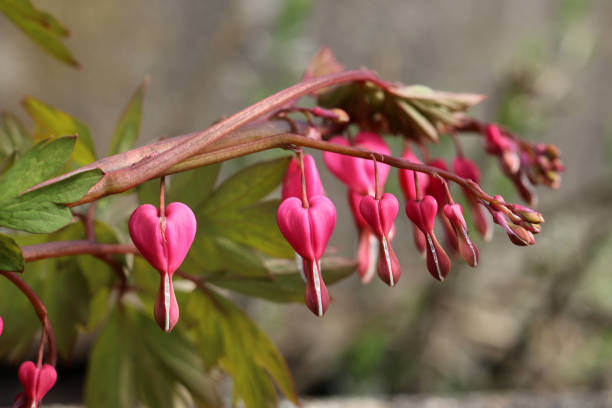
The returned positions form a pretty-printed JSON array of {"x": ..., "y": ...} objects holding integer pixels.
[{"x": 306, "y": 217}]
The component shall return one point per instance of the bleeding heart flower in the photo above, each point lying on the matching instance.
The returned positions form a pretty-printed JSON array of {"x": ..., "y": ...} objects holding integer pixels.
[
  {"x": 164, "y": 242},
  {"x": 292, "y": 183},
  {"x": 469, "y": 170},
  {"x": 367, "y": 251},
  {"x": 423, "y": 214},
  {"x": 358, "y": 174},
  {"x": 467, "y": 249},
  {"x": 380, "y": 214},
  {"x": 308, "y": 230},
  {"x": 36, "y": 382}
]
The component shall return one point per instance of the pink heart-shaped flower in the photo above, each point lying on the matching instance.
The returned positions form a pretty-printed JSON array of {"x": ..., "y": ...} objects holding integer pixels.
[
  {"x": 307, "y": 229},
  {"x": 164, "y": 242},
  {"x": 164, "y": 251},
  {"x": 36, "y": 381}
]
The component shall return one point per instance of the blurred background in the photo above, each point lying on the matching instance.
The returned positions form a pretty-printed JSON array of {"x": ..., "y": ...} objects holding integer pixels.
[{"x": 536, "y": 319}]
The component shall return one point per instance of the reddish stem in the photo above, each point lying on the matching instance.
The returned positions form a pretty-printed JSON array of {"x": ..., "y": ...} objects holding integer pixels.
[
  {"x": 66, "y": 248},
  {"x": 41, "y": 311}
]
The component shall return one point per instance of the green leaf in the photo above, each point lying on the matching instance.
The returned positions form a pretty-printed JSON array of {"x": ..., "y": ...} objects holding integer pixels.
[
  {"x": 133, "y": 360},
  {"x": 41, "y": 27},
  {"x": 38, "y": 164},
  {"x": 254, "y": 226},
  {"x": 193, "y": 187},
  {"x": 110, "y": 372},
  {"x": 128, "y": 127},
  {"x": 66, "y": 296},
  {"x": 226, "y": 336},
  {"x": 284, "y": 283},
  {"x": 13, "y": 135},
  {"x": 11, "y": 258},
  {"x": 246, "y": 187},
  {"x": 41, "y": 210},
  {"x": 52, "y": 122}
]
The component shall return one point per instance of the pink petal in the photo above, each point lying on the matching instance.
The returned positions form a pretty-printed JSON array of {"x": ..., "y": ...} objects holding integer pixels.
[
  {"x": 294, "y": 224},
  {"x": 438, "y": 263},
  {"x": 388, "y": 208},
  {"x": 435, "y": 187},
  {"x": 367, "y": 255},
  {"x": 292, "y": 183},
  {"x": 1, "y": 326},
  {"x": 322, "y": 215},
  {"x": 429, "y": 209},
  {"x": 27, "y": 376},
  {"x": 181, "y": 229},
  {"x": 370, "y": 212},
  {"x": 466, "y": 168},
  {"x": 406, "y": 178},
  {"x": 316, "y": 295},
  {"x": 354, "y": 199},
  {"x": 146, "y": 234},
  {"x": 46, "y": 380},
  {"x": 389, "y": 269}
]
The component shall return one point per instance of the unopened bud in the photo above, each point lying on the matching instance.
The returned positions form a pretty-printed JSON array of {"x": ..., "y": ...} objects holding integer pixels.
[{"x": 520, "y": 235}]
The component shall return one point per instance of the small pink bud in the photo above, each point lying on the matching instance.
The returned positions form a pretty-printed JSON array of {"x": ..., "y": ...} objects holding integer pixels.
[
  {"x": 380, "y": 215},
  {"x": 496, "y": 142},
  {"x": 467, "y": 249},
  {"x": 469, "y": 170},
  {"x": 308, "y": 230},
  {"x": 36, "y": 382},
  {"x": 419, "y": 239},
  {"x": 406, "y": 178},
  {"x": 164, "y": 242},
  {"x": 527, "y": 213},
  {"x": 423, "y": 214},
  {"x": 517, "y": 234},
  {"x": 356, "y": 173},
  {"x": 292, "y": 183}
]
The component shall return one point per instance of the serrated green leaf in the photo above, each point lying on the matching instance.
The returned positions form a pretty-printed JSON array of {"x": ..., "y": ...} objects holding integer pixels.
[
  {"x": 11, "y": 258},
  {"x": 38, "y": 164},
  {"x": 418, "y": 119},
  {"x": 193, "y": 187},
  {"x": 284, "y": 282},
  {"x": 246, "y": 187},
  {"x": 53, "y": 122},
  {"x": 254, "y": 226},
  {"x": 13, "y": 135},
  {"x": 227, "y": 336},
  {"x": 41, "y": 27},
  {"x": 40, "y": 211},
  {"x": 128, "y": 127}
]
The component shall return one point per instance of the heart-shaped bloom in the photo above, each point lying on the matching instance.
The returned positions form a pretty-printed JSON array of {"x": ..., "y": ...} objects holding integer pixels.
[
  {"x": 467, "y": 249},
  {"x": 292, "y": 183},
  {"x": 358, "y": 174},
  {"x": 36, "y": 382},
  {"x": 164, "y": 242},
  {"x": 380, "y": 215},
  {"x": 308, "y": 230},
  {"x": 423, "y": 214},
  {"x": 467, "y": 169}
]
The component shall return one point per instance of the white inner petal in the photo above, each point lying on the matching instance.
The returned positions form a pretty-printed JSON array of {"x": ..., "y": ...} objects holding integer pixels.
[
  {"x": 167, "y": 301},
  {"x": 372, "y": 257},
  {"x": 469, "y": 242},
  {"x": 316, "y": 267},
  {"x": 300, "y": 265},
  {"x": 388, "y": 260},
  {"x": 435, "y": 256}
]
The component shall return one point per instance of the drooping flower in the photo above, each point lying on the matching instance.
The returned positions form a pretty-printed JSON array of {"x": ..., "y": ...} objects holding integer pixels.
[
  {"x": 409, "y": 188},
  {"x": 359, "y": 176},
  {"x": 437, "y": 190},
  {"x": 292, "y": 183},
  {"x": 36, "y": 382},
  {"x": 356, "y": 173},
  {"x": 467, "y": 169},
  {"x": 467, "y": 249},
  {"x": 308, "y": 230},
  {"x": 164, "y": 241},
  {"x": 423, "y": 214},
  {"x": 380, "y": 215}
]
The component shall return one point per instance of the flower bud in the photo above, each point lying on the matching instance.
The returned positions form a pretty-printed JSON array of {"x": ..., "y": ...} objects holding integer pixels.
[{"x": 467, "y": 249}]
